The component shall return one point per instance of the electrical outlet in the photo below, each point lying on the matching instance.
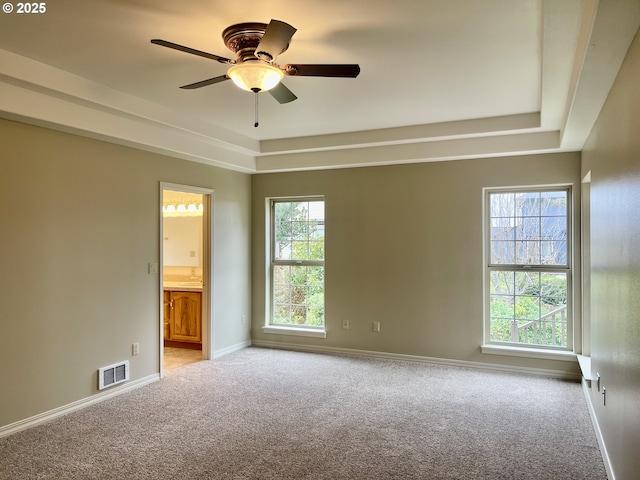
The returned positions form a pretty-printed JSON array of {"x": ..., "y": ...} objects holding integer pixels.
[
  {"x": 376, "y": 326},
  {"x": 345, "y": 324},
  {"x": 243, "y": 319},
  {"x": 153, "y": 268},
  {"x": 135, "y": 348}
]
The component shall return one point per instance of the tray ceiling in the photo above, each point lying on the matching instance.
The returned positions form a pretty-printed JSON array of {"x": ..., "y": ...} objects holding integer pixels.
[{"x": 439, "y": 80}]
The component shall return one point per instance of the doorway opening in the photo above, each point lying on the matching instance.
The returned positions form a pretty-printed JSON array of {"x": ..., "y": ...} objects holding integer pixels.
[{"x": 185, "y": 276}]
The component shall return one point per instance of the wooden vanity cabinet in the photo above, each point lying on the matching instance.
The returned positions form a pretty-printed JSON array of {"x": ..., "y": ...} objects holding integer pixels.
[{"x": 183, "y": 314}]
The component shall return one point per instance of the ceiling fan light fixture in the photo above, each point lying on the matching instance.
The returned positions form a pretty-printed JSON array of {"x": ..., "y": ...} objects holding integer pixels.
[{"x": 255, "y": 76}]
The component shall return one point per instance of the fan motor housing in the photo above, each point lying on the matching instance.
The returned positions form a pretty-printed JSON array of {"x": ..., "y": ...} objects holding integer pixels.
[{"x": 243, "y": 39}]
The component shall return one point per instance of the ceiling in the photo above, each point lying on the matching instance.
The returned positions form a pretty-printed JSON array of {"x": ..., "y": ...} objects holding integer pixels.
[{"x": 440, "y": 79}]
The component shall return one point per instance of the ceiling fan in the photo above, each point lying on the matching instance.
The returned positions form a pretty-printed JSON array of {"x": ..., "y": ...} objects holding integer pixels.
[{"x": 257, "y": 45}]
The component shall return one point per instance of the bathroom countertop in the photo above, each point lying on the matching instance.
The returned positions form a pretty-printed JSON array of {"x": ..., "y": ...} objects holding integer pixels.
[{"x": 183, "y": 286}]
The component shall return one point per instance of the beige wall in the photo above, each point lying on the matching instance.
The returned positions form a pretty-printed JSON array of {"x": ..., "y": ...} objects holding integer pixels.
[
  {"x": 612, "y": 155},
  {"x": 404, "y": 248},
  {"x": 79, "y": 222}
]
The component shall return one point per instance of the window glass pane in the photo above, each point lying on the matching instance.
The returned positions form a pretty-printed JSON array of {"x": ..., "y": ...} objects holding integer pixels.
[
  {"x": 502, "y": 282},
  {"x": 316, "y": 229},
  {"x": 283, "y": 211},
  {"x": 282, "y": 250},
  {"x": 282, "y": 294},
  {"x": 527, "y": 252},
  {"x": 529, "y": 228},
  {"x": 503, "y": 228},
  {"x": 502, "y": 205},
  {"x": 316, "y": 249},
  {"x": 300, "y": 250},
  {"x": 316, "y": 211},
  {"x": 298, "y": 314},
  {"x": 299, "y": 228},
  {"x": 553, "y": 253},
  {"x": 298, "y": 275},
  {"x": 526, "y": 282},
  {"x": 529, "y": 204},
  {"x": 300, "y": 299},
  {"x": 282, "y": 313},
  {"x": 296, "y": 224},
  {"x": 528, "y": 307},
  {"x": 502, "y": 306},
  {"x": 553, "y": 203},
  {"x": 553, "y": 290},
  {"x": 529, "y": 218},
  {"x": 502, "y": 253},
  {"x": 554, "y": 228},
  {"x": 501, "y": 328},
  {"x": 298, "y": 236}
]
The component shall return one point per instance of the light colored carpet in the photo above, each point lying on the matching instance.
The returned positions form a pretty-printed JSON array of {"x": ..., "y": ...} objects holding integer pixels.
[{"x": 271, "y": 414}]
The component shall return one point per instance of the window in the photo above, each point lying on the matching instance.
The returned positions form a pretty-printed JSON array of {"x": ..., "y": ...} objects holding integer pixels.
[
  {"x": 528, "y": 270},
  {"x": 297, "y": 263}
]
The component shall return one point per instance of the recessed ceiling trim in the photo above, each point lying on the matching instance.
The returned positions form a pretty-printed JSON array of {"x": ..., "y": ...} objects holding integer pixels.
[
  {"x": 562, "y": 30},
  {"x": 37, "y": 76},
  {"x": 605, "y": 42},
  {"x": 37, "y": 108},
  {"x": 454, "y": 149},
  {"x": 409, "y": 134}
]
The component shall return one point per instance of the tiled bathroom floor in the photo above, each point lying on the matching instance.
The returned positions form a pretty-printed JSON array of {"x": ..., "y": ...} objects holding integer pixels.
[{"x": 175, "y": 358}]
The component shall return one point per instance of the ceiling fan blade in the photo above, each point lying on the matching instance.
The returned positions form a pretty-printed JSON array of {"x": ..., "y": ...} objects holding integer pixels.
[
  {"x": 192, "y": 51},
  {"x": 275, "y": 40},
  {"x": 282, "y": 94},
  {"x": 317, "y": 70},
  {"x": 204, "y": 83}
]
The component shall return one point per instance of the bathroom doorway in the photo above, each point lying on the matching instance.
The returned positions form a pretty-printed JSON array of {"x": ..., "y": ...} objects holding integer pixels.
[{"x": 185, "y": 279}]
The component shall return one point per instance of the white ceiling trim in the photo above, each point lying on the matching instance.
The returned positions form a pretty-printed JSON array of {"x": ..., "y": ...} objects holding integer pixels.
[
  {"x": 607, "y": 31},
  {"x": 52, "y": 81},
  {"x": 36, "y": 93},
  {"x": 452, "y": 149},
  {"x": 399, "y": 135},
  {"x": 48, "y": 111},
  {"x": 40, "y": 94}
]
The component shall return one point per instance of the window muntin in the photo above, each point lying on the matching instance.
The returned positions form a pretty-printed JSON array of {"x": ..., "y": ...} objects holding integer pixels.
[
  {"x": 297, "y": 262},
  {"x": 528, "y": 271}
]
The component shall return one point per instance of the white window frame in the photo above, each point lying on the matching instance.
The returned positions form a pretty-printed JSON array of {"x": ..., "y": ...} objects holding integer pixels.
[
  {"x": 269, "y": 326},
  {"x": 516, "y": 348}
]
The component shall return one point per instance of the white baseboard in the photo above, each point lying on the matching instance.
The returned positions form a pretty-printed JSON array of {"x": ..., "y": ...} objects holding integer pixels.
[
  {"x": 77, "y": 405},
  {"x": 231, "y": 349},
  {"x": 596, "y": 426},
  {"x": 98, "y": 397},
  {"x": 417, "y": 358}
]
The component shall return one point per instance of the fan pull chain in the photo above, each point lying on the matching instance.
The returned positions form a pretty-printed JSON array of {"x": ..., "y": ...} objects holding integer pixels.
[{"x": 256, "y": 118}]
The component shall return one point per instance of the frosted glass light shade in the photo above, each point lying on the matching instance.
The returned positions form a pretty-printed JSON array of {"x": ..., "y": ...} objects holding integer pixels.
[{"x": 255, "y": 76}]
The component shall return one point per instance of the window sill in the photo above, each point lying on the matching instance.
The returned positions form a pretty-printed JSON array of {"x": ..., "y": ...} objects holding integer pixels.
[
  {"x": 512, "y": 351},
  {"x": 301, "y": 332},
  {"x": 585, "y": 368}
]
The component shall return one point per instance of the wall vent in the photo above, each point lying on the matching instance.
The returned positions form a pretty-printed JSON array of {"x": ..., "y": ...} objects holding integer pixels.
[{"x": 113, "y": 374}]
